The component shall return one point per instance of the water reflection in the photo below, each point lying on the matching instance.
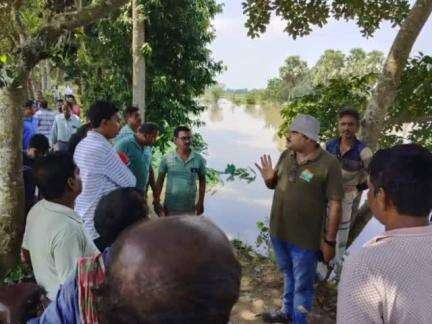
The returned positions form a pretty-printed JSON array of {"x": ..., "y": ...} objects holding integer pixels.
[{"x": 240, "y": 135}]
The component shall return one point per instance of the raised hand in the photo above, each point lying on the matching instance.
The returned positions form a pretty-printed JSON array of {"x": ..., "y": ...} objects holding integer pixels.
[{"x": 266, "y": 168}]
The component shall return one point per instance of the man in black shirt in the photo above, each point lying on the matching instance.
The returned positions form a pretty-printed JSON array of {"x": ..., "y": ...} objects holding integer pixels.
[{"x": 38, "y": 147}]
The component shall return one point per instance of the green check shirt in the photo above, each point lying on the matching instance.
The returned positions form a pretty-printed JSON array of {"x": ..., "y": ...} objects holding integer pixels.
[
  {"x": 181, "y": 186},
  {"x": 139, "y": 157}
]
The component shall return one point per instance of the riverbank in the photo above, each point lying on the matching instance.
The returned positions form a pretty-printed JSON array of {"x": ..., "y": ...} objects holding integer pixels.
[{"x": 261, "y": 290}]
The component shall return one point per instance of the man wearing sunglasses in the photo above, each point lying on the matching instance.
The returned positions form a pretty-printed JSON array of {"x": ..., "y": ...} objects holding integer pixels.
[
  {"x": 183, "y": 168},
  {"x": 305, "y": 179}
]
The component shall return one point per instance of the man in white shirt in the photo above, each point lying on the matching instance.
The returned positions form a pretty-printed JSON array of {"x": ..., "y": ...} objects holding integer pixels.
[
  {"x": 101, "y": 168},
  {"x": 54, "y": 235}
]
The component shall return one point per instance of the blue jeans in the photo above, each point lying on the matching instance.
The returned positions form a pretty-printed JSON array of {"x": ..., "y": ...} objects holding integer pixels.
[{"x": 299, "y": 268}]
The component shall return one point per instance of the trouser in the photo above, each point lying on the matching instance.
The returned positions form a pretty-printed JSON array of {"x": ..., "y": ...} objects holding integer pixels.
[
  {"x": 298, "y": 267},
  {"x": 62, "y": 146},
  {"x": 345, "y": 224}
]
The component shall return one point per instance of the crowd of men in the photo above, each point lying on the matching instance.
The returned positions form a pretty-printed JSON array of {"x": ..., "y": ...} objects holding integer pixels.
[{"x": 100, "y": 258}]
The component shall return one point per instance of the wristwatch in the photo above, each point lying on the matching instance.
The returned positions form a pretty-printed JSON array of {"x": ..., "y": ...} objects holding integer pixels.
[{"x": 331, "y": 243}]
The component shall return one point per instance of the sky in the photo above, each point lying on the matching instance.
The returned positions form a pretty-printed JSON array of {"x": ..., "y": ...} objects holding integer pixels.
[{"x": 251, "y": 62}]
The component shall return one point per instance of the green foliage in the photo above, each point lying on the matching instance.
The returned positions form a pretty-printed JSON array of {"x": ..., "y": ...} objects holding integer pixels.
[
  {"x": 178, "y": 63},
  {"x": 301, "y": 16},
  {"x": 327, "y": 99},
  {"x": 19, "y": 274},
  {"x": 249, "y": 175},
  {"x": 296, "y": 79},
  {"x": 413, "y": 103}
]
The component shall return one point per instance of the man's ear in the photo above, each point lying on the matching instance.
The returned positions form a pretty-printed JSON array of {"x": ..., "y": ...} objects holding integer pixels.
[
  {"x": 383, "y": 200},
  {"x": 71, "y": 183}
]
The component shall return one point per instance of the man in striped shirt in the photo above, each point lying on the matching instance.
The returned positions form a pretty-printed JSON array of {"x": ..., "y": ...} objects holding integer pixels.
[
  {"x": 102, "y": 170},
  {"x": 45, "y": 119}
]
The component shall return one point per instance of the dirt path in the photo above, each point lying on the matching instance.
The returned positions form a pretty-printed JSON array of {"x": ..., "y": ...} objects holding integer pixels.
[{"x": 261, "y": 290}]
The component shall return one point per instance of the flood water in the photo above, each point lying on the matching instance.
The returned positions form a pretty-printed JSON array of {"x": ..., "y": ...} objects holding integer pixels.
[{"x": 239, "y": 135}]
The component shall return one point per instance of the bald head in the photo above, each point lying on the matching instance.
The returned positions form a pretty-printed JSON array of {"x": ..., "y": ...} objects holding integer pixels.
[{"x": 172, "y": 270}]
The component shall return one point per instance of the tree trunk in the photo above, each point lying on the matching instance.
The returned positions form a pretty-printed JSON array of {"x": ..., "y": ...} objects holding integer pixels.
[
  {"x": 44, "y": 68},
  {"x": 11, "y": 194},
  {"x": 138, "y": 66},
  {"x": 385, "y": 90}
]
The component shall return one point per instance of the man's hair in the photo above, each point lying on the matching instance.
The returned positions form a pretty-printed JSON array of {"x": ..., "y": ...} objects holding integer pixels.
[
  {"x": 99, "y": 111},
  {"x": 44, "y": 104},
  {"x": 179, "y": 129},
  {"x": 195, "y": 279},
  {"x": 346, "y": 111},
  {"x": 129, "y": 111},
  {"x": 28, "y": 104},
  {"x": 39, "y": 142},
  {"x": 74, "y": 140},
  {"x": 148, "y": 128},
  {"x": 118, "y": 210},
  {"x": 52, "y": 173},
  {"x": 404, "y": 172}
]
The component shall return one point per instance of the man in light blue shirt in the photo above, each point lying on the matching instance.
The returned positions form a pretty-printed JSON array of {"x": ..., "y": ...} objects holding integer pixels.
[{"x": 65, "y": 125}]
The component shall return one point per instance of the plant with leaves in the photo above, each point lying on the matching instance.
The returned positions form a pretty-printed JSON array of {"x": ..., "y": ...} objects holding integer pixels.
[
  {"x": 178, "y": 62},
  {"x": 413, "y": 104},
  {"x": 297, "y": 79}
]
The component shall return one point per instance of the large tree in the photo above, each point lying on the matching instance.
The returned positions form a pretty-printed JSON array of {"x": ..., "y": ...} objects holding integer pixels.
[{"x": 30, "y": 36}]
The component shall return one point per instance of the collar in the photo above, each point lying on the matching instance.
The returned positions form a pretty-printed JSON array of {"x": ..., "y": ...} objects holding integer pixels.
[
  {"x": 403, "y": 232},
  {"x": 61, "y": 209},
  {"x": 127, "y": 129},
  {"x": 191, "y": 156},
  {"x": 309, "y": 158},
  {"x": 355, "y": 143},
  {"x": 97, "y": 136}
]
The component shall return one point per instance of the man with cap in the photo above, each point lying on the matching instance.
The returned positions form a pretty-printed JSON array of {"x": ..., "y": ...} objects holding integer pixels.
[{"x": 306, "y": 179}]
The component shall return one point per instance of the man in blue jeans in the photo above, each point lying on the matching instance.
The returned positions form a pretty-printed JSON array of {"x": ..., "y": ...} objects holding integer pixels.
[{"x": 306, "y": 179}]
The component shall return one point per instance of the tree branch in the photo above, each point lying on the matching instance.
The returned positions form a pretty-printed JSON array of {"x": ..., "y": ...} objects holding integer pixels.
[
  {"x": 385, "y": 90},
  {"x": 38, "y": 47}
]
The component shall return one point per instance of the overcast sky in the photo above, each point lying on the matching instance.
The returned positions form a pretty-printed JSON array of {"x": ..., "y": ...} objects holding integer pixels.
[{"x": 251, "y": 62}]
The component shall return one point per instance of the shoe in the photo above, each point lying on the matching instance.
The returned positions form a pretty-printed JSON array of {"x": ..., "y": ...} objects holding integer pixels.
[{"x": 275, "y": 317}]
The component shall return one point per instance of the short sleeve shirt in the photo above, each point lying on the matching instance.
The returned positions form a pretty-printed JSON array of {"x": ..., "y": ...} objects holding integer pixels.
[
  {"x": 139, "y": 157},
  {"x": 55, "y": 237},
  {"x": 182, "y": 175},
  {"x": 301, "y": 196}
]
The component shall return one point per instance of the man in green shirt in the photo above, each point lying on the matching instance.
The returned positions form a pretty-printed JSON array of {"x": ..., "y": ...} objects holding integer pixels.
[
  {"x": 54, "y": 235},
  {"x": 138, "y": 149},
  {"x": 133, "y": 121},
  {"x": 183, "y": 168},
  {"x": 306, "y": 179}
]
